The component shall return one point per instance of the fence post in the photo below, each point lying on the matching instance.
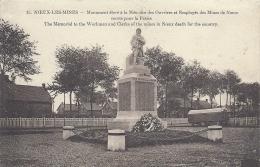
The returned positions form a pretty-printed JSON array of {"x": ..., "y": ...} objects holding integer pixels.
[
  {"x": 6, "y": 122},
  {"x": 44, "y": 122},
  {"x": 246, "y": 121},
  {"x": 54, "y": 121},
  {"x": 64, "y": 121},
  {"x": 74, "y": 121},
  {"x": 32, "y": 122},
  {"x": 82, "y": 122},
  {"x": 20, "y": 122},
  {"x": 234, "y": 121}
]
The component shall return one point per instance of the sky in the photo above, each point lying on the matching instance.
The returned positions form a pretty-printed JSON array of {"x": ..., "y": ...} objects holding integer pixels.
[{"x": 232, "y": 44}]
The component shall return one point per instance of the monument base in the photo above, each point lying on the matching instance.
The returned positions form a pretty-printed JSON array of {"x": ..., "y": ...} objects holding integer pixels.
[
  {"x": 126, "y": 120},
  {"x": 126, "y": 125}
]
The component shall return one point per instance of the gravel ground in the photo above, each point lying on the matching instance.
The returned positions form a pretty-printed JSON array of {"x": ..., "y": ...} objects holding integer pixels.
[{"x": 49, "y": 149}]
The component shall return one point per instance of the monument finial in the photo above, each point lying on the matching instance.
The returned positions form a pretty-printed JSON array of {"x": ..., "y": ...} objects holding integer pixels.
[{"x": 137, "y": 43}]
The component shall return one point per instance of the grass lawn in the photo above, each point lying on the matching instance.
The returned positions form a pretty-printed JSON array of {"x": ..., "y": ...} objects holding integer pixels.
[{"x": 49, "y": 149}]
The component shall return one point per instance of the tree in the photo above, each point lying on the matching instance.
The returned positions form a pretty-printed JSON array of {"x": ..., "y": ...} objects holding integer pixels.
[
  {"x": 191, "y": 80},
  {"x": 110, "y": 93},
  {"x": 202, "y": 79},
  {"x": 99, "y": 97},
  {"x": 97, "y": 72},
  {"x": 221, "y": 87},
  {"x": 231, "y": 79},
  {"x": 16, "y": 53},
  {"x": 174, "y": 92},
  {"x": 213, "y": 85},
  {"x": 83, "y": 71},
  {"x": 187, "y": 85},
  {"x": 166, "y": 67},
  {"x": 16, "y": 56},
  {"x": 70, "y": 61},
  {"x": 248, "y": 93}
]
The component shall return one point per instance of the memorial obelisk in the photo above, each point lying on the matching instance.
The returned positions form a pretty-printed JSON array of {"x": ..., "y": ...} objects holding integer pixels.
[{"x": 137, "y": 89}]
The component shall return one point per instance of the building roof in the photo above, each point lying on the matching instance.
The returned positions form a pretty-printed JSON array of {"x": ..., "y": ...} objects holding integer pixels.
[
  {"x": 203, "y": 104},
  {"x": 28, "y": 93},
  {"x": 181, "y": 101},
  {"x": 74, "y": 107},
  {"x": 113, "y": 105},
  {"x": 95, "y": 106},
  {"x": 214, "y": 110}
]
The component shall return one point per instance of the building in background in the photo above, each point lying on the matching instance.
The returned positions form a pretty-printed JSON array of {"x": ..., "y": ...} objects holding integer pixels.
[
  {"x": 64, "y": 110},
  {"x": 80, "y": 111},
  {"x": 23, "y": 100},
  {"x": 109, "y": 109},
  {"x": 179, "y": 110},
  {"x": 201, "y": 104}
]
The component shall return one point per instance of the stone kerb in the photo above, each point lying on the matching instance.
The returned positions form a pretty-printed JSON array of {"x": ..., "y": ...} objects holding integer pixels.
[
  {"x": 68, "y": 132},
  {"x": 116, "y": 140},
  {"x": 215, "y": 133}
]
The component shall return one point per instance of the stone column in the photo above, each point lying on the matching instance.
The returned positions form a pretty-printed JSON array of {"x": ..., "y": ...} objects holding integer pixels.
[
  {"x": 68, "y": 132},
  {"x": 215, "y": 133},
  {"x": 116, "y": 140}
]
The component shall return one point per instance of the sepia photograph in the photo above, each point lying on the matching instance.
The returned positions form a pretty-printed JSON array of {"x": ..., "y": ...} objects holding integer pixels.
[{"x": 123, "y": 83}]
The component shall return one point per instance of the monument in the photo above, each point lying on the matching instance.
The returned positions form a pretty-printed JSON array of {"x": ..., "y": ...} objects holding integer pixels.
[{"x": 137, "y": 89}]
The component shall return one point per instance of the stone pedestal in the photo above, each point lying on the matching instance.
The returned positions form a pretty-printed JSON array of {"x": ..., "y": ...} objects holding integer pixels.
[
  {"x": 137, "y": 95},
  {"x": 116, "y": 140},
  {"x": 68, "y": 132},
  {"x": 215, "y": 133}
]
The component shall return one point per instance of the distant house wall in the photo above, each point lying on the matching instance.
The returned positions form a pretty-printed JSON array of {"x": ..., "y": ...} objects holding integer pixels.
[
  {"x": 87, "y": 113},
  {"x": 23, "y": 100},
  {"x": 95, "y": 113},
  {"x": 108, "y": 111},
  {"x": 96, "y": 110},
  {"x": 80, "y": 112},
  {"x": 3, "y": 88},
  {"x": 29, "y": 109},
  {"x": 74, "y": 112}
]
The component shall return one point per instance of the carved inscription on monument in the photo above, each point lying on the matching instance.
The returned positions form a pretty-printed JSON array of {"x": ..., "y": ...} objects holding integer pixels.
[
  {"x": 144, "y": 93},
  {"x": 124, "y": 96}
]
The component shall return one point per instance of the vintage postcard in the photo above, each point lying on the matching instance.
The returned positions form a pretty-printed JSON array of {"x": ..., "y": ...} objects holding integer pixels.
[{"x": 84, "y": 82}]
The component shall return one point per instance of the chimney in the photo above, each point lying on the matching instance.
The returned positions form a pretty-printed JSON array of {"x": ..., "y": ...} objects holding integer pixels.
[
  {"x": 206, "y": 100},
  {"x": 43, "y": 86}
]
